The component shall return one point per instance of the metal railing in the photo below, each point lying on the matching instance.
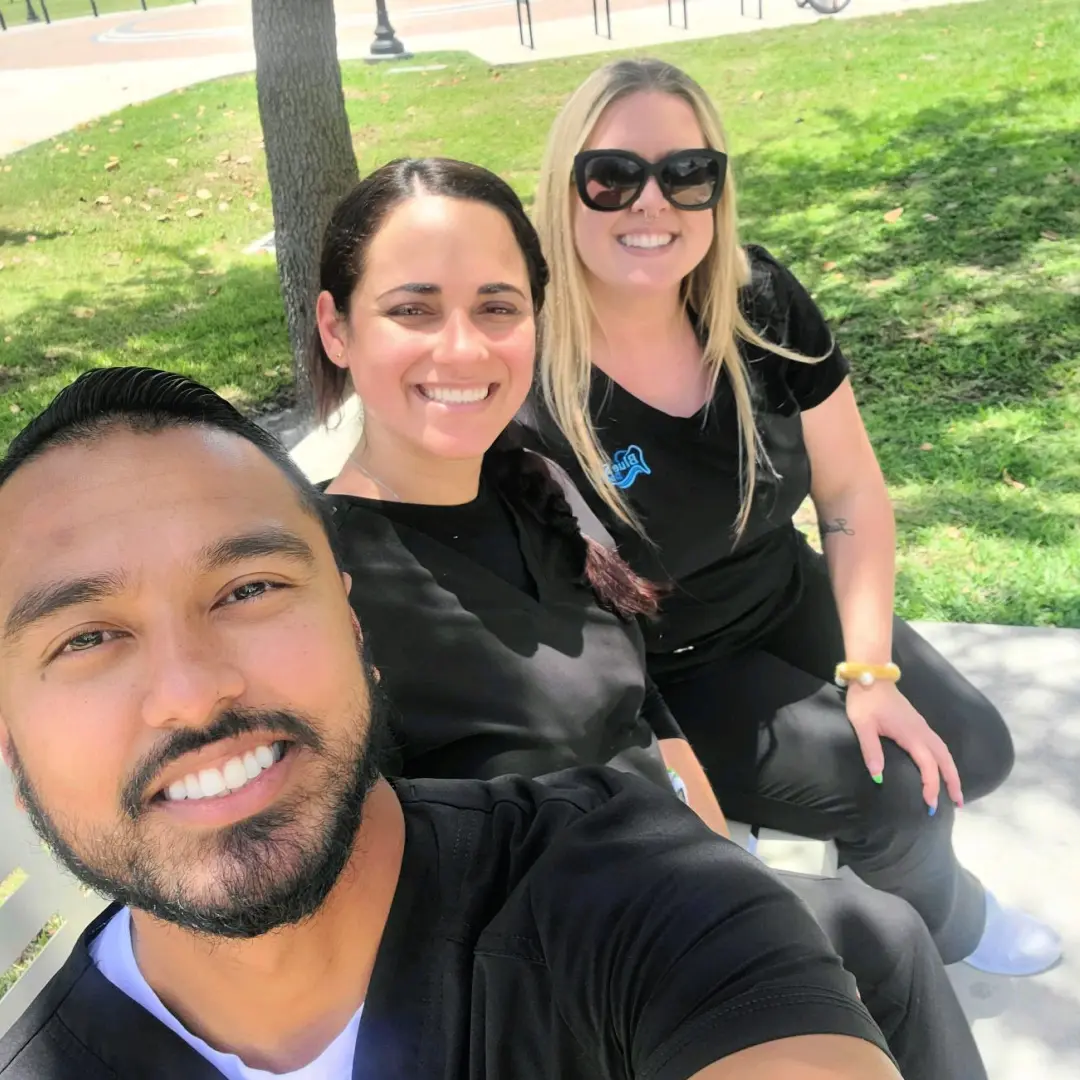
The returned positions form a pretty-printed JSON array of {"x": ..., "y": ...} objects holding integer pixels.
[{"x": 91, "y": 7}]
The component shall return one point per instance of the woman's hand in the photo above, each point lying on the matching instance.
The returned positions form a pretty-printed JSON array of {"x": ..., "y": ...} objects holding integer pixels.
[{"x": 880, "y": 710}]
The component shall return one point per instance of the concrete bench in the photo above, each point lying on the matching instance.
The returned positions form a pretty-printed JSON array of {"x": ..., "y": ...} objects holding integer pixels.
[
  {"x": 44, "y": 894},
  {"x": 784, "y": 851}
]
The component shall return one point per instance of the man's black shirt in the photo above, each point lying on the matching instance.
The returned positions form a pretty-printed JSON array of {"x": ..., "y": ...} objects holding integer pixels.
[{"x": 583, "y": 927}]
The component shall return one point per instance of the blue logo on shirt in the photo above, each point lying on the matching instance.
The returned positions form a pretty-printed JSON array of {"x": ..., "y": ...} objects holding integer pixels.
[{"x": 626, "y": 466}]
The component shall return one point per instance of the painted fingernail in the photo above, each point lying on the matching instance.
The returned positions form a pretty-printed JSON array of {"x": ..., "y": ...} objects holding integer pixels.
[
  {"x": 933, "y": 809},
  {"x": 878, "y": 778}
]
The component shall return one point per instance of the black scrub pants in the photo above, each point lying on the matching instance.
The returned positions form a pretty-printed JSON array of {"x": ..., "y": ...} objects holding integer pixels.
[
  {"x": 770, "y": 728},
  {"x": 888, "y": 950}
]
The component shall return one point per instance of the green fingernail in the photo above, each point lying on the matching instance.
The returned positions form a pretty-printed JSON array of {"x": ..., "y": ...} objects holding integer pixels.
[{"x": 878, "y": 778}]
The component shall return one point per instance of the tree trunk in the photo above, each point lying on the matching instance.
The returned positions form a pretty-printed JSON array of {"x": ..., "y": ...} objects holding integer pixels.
[{"x": 309, "y": 154}]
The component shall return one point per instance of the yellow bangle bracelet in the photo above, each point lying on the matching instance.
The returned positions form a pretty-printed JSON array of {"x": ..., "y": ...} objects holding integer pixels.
[{"x": 866, "y": 674}]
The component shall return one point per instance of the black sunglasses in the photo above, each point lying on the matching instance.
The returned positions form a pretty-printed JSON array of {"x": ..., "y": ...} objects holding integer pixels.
[{"x": 609, "y": 180}]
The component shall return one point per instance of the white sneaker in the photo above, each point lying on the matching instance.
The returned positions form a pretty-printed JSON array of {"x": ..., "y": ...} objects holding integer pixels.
[{"x": 1014, "y": 943}]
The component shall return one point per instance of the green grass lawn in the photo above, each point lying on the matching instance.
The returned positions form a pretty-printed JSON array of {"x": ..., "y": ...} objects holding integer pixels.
[
  {"x": 14, "y": 11},
  {"x": 122, "y": 242}
]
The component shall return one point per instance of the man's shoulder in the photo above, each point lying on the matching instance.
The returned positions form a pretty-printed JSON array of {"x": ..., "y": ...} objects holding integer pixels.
[
  {"x": 40, "y": 1044},
  {"x": 537, "y": 836},
  {"x": 553, "y": 801}
]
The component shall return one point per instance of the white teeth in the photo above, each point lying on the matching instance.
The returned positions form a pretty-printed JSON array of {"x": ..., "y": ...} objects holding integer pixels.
[
  {"x": 646, "y": 240},
  {"x": 455, "y": 396},
  {"x": 235, "y": 774},
  {"x": 211, "y": 781}
]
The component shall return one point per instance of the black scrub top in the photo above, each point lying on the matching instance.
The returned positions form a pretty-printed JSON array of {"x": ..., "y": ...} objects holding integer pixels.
[
  {"x": 495, "y": 656},
  {"x": 587, "y": 927},
  {"x": 681, "y": 477}
]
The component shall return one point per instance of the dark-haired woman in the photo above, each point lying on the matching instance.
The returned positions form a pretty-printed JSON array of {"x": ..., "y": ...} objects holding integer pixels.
[{"x": 506, "y": 642}]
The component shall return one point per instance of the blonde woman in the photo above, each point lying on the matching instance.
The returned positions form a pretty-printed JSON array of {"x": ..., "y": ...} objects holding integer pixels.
[{"x": 696, "y": 395}]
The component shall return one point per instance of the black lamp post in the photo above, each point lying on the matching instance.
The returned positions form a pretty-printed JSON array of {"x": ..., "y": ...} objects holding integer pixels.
[{"x": 386, "y": 45}]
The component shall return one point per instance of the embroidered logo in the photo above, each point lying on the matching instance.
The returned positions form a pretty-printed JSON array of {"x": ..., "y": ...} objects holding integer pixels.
[{"x": 626, "y": 466}]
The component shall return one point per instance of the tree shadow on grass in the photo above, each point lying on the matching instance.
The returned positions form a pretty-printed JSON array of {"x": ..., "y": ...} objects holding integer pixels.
[
  {"x": 938, "y": 162},
  {"x": 226, "y": 330}
]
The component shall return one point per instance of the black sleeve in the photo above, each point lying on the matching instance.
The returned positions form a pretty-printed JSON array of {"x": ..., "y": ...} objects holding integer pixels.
[
  {"x": 671, "y": 947},
  {"x": 787, "y": 314},
  {"x": 655, "y": 712}
]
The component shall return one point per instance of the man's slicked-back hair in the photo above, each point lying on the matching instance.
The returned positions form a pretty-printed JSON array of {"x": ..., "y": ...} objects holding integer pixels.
[{"x": 146, "y": 401}]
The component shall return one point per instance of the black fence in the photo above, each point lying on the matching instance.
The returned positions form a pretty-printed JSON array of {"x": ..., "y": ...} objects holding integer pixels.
[{"x": 34, "y": 15}]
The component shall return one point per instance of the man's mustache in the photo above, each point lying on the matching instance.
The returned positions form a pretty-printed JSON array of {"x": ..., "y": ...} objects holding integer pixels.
[{"x": 228, "y": 725}]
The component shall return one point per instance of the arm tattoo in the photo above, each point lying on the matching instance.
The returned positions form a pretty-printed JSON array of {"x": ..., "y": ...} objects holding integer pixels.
[{"x": 839, "y": 525}]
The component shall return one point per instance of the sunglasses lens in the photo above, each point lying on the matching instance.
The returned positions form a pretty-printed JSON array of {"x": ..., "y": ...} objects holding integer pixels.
[
  {"x": 691, "y": 179},
  {"x": 612, "y": 183}
]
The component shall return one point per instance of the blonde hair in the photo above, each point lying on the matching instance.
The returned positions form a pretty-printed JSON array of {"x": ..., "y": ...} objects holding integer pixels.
[{"x": 710, "y": 289}]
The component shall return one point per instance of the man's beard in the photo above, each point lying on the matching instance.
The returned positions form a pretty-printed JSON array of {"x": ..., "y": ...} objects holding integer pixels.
[{"x": 270, "y": 870}]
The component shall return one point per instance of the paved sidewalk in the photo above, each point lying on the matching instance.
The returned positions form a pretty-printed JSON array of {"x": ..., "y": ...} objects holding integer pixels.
[{"x": 54, "y": 77}]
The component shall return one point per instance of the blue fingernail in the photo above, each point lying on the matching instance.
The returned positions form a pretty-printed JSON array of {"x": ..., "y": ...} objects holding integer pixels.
[{"x": 933, "y": 810}]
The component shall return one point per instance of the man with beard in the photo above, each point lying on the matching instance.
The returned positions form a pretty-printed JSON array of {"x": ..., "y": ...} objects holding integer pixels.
[{"x": 193, "y": 730}]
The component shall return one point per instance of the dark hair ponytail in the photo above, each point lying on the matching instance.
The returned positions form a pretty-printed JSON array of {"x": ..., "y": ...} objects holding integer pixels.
[{"x": 526, "y": 481}]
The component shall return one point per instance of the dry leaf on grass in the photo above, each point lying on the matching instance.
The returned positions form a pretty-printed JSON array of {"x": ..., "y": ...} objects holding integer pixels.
[
  {"x": 929, "y": 217},
  {"x": 222, "y": 206},
  {"x": 195, "y": 212},
  {"x": 757, "y": 95},
  {"x": 893, "y": 216},
  {"x": 145, "y": 206},
  {"x": 1049, "y": 234},
  {"x": 114, "y": 258},
  {"x": 829, "y": 266},
  {"x": 244, "y": 159},
  {"x": 102, "y": 200},
  {"x": 202, "y": 193},
  {"x": 154, "y": 192},
  {"x": 112, "y": 164},
  {"x": 15, "y": 409},
  {"x": 1013, "y": 483},
  {"x": 927, "y": 446},
  {"x": 165, "y": 217},
  {"x": 172, "y": 162},
  {"x": 137, "y": 144},
  {"x": 210, "y": 175},
  {"x": 31, "y": 239},
  {"x": 83, "y": 312}
]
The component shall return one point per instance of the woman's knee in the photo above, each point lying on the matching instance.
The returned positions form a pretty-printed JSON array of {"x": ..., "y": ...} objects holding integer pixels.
[
  {"x": 879, "y": 935},
  {"x": 985, "y": 754}
]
